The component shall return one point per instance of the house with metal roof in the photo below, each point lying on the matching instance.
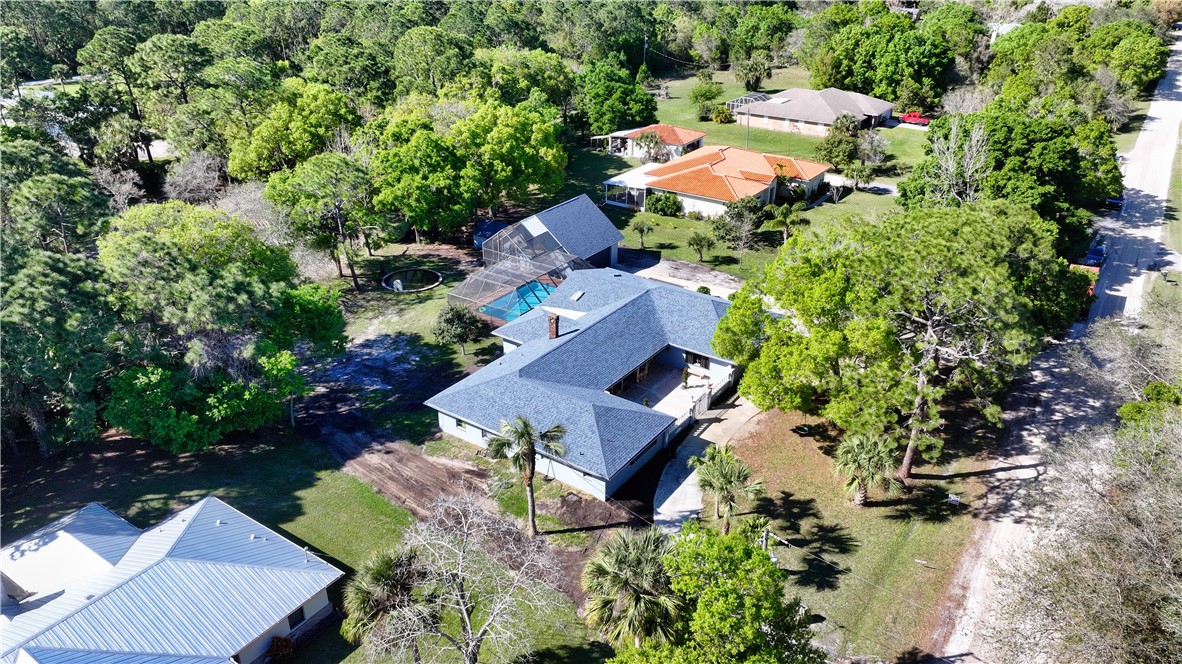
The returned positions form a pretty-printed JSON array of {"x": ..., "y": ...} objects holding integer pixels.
[
  {"x": 525, "y": 262},
  {"x": 623, "y": 362},
  {"x": 810, "y": 112},
  {"x": 707, "y": 179},
  {"x": 672, "y": 142},
  {"x": 208, "y": 585}
]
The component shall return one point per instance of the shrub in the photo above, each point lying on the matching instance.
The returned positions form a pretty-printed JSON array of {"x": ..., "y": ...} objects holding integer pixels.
[
  {"x": 704, "y": 290},
  {"x": 722, "y": 115},
  {"x": 666, "y": 205},
  {"x": 694, "y": 215},
  {"x": 705, "y": 92},
  {"x": 282, "y": 649}
]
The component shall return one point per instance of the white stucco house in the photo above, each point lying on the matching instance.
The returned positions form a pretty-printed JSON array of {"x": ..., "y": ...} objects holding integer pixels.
[
  {"x": 208, "y": 585},
  {"x": 707, "y": 179},
  {"x": 603, "y": 356},
  {"x": 674, "y": 141}
]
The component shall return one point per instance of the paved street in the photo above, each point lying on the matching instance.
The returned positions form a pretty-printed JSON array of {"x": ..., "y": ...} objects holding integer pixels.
[
  {"x": 1136, "y": 236},
  {"x": 1053, "y": 401}
]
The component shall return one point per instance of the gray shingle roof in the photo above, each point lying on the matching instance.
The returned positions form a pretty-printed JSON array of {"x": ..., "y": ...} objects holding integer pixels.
[
  {"x": 204, "y": 583},
  {"x": 580, "y": 227},
  {"x": 822, "y": 106},
  {"x": 624, "y": 321}
]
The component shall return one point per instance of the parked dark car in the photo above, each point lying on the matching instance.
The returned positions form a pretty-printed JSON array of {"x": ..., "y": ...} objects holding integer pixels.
[
  {"x": 1115, "y": 203},
  {"x": 1096, "y": 255}
]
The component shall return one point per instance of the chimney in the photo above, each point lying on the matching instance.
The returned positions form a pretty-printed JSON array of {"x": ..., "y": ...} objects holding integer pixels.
[{"x": 553, "y": 319}]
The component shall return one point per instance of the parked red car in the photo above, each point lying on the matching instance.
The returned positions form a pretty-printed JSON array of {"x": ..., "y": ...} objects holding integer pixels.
[{"x": 914, "y": 118}]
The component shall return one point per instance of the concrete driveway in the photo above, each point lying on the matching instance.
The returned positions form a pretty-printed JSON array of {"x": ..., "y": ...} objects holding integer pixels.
[{"x": 678, "y": 497}]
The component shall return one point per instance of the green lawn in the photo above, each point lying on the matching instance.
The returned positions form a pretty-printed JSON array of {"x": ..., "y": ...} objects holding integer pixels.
[
  {"x": 669, "y": 234},
  {"x": 1126, "y": 138},
  {"x": 1173, "y": 230},
  {"x": 906, "y": 145},
  {"x": 876, "y": 574}
]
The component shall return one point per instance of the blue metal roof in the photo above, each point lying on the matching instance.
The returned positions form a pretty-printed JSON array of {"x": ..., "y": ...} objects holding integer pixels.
[
  {"x": 204, "y": 583},
  {"x": 580, "y": 227},
  {"x": 624, "y": 320}
]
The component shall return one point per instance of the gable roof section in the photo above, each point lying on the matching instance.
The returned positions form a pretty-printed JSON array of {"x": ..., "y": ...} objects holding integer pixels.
[
  {"x": 196, "y": 585},
  {"x": 88, "y": 541},
  {"x": 820, "y": 106},
  {"x": 579, "y": 226},
  {"x": 669, "y": 134},
  {"x": 727, "y": 173},
  {"x": 622, "y": 321}
]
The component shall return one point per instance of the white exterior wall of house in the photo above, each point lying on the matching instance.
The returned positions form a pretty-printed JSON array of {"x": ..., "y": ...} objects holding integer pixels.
[
  {"x": 810, "y": 186},
  {"x": 674, "y": 151},
  {"x": 259, "y": 646},
  {"x": 585, "y": 482},
  {"x": 469, "y": 432},
  {"x": 720, "y": 373},
  {"x": 706, "y": 206}
]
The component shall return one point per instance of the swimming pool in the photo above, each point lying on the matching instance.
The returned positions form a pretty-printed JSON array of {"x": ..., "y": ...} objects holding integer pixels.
[{"x": 512, "y": 304}]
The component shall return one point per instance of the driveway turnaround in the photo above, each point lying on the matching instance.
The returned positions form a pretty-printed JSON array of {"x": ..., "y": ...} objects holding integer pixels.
[{"x": 678, "y": 497}]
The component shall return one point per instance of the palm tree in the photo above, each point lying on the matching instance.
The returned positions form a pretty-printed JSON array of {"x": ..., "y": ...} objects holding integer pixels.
[
  {"x": 629, "y": 598},
  {"x": 642, "y": 227},
  {"x": 381, "y": 588},
  {"x": 700, "y": 242},
  {"x": 866, "y": 461},
  {"x": 726, "y": 477},
  {"x": 785, "y": 218},
  {"x": 520, "y": 442}
]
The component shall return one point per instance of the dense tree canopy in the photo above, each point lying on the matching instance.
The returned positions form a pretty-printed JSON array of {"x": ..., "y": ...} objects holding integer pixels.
[{"x": 882, "y": 320}]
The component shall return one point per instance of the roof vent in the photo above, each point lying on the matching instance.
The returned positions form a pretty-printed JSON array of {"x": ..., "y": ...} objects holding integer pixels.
[
  {"x": 252, "y": 536},
  {"x": 305, "y": 554},
  {"x": 576, "y": 296},
  {"x": 218, "y": 522}
]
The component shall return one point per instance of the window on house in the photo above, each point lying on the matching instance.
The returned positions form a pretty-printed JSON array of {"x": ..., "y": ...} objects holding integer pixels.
[
  {"x": 296, "y": 618},
  {"x": 693, "y": 359},
  {"x": 461, "y": 424}
]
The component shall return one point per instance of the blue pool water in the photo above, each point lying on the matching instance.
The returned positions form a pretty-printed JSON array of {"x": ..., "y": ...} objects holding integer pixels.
[{"x": 511, "y": 305}]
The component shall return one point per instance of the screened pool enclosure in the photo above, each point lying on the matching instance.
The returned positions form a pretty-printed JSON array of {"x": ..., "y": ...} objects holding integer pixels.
[{"x": 520, "y": 271}]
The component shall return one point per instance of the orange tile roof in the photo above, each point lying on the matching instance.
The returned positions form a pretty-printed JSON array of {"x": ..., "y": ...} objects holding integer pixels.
[
  {"x": 727, "y": 173},
  {"x": 669, "y": 134}
]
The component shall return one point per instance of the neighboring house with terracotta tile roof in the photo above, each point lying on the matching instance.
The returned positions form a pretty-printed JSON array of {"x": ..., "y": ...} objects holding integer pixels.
[
  {"x": 810, "y": 112},
  {"x": 707, "y": 179},
  {"x": 675, "y": 141}
]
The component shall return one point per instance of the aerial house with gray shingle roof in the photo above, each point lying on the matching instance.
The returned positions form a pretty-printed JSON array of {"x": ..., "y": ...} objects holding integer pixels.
[
  {"x": 208, "y": 585},
  {"x": 810, "y": 112},
  {"x": 604, "y": 357}
]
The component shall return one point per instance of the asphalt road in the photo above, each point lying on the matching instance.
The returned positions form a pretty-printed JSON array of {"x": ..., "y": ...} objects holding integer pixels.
[{"x": 1136, "y": 235}]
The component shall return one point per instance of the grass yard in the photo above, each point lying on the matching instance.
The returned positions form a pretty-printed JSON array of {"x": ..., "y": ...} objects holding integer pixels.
[
  {"x": 1126, "y": 138},
  {"x": 1173, "y": 216},
  {"x": 876, "y": 574},
  {"x": 669, "y": 234},
  {"x": 906, "y": 145}
]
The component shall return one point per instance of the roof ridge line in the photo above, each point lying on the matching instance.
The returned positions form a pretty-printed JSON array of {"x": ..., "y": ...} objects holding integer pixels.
[
  {"x": 219, "y": 563},
  {"x": 125, "y": 652}
]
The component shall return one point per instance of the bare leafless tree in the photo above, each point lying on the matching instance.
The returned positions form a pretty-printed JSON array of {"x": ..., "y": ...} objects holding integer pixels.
[
  {"x": 1101, "y": 580},
  {"x": 482, "y": 589},
  {"x": 1122, "y": 356},
  {"x": 966, "y": 99},
  {"x": 123, "y": 186},
  {"x": 961, "y": 161},
  {"x": 1112, "y": 103},
  {"x": 872, "y": 147},
  {"x": 196, "y": 179},
  {"x": 246, "y": 201}
]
